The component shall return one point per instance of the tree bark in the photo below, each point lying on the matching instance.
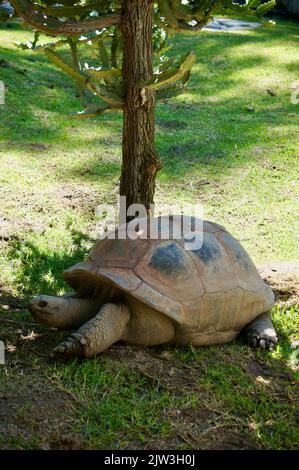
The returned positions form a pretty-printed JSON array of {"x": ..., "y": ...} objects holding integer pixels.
[{"x": 140, "y": 161}]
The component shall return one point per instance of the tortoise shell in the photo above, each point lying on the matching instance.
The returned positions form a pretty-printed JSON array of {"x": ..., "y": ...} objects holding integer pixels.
[{"x": 216, "y": 284}]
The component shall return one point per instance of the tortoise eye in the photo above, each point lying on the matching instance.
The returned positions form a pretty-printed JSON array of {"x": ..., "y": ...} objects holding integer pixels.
[{"x": 43, "y": 303}]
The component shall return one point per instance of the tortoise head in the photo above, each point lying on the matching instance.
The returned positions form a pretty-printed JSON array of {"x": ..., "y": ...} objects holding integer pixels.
[{"x": 44, "y": 307}]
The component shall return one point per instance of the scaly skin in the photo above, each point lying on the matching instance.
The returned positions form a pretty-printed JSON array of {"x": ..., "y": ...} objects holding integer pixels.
[
  {"x": 261, "y": 332},
  {"x": 98, "y": 334},
  {"x": 134, "y": 324}
]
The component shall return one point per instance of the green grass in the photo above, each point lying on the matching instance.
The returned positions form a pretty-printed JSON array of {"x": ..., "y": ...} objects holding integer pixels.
[
  {"x": 118, "y": 403},
  {"x": 229, "y": 146},
  {"x": 254, "y": 403}
]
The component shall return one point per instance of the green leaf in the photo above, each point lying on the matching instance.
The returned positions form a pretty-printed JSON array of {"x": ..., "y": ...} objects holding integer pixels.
[
  {"x": 265, "y": 7},
  {"x": 111, "y": 95},
  {"x": 91, "y": 111},
  {"x": 182, "y": 72},
  {"x": 253, "y": 3},
  {"x": 36, "y": 16},
  {"x": 67, "y": 68},
  {"x": 104, "y": 55},
  {"x": 164, "y": 66},
  {"x": 103, "y": 73},
  {"x": 116, "y": 49}
]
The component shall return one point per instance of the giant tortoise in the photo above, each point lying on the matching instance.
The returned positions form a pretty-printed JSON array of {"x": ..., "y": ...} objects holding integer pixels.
[{"x": 153, "y": 290}]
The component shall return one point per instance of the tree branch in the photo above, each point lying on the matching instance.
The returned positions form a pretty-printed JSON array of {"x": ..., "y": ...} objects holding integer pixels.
[{"x": 55, "y": 27}]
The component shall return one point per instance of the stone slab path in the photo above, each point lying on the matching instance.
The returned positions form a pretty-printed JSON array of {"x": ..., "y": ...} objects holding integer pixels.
[{"x": 223, "y": 24}]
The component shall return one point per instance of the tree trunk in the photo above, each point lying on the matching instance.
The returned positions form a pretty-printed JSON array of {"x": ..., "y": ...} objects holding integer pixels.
[{"x": 140, "y": 161}]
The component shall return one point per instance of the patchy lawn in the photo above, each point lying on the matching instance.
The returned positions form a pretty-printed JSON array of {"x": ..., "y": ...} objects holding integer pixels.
[{"x": 230, "y": 145}]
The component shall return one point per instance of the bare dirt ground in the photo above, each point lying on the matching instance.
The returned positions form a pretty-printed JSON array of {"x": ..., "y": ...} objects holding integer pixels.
[{"x": 283, "y": 277}]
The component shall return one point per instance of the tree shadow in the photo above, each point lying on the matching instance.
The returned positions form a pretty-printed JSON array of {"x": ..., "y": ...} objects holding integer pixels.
[
  {"x": 9, "y": 300},
  {"x": 39, "y": 272},
  {"x": 39, "y": 98},
  {"x": 16, "y": 25},
  {"x": 28, "y": 81}
]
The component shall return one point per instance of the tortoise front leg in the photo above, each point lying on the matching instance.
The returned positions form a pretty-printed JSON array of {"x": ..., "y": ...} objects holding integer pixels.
[
  {"x": 95, "y": 336},
  {"x": 261, "y": 332},
  {"x": 66, "y": 312}
]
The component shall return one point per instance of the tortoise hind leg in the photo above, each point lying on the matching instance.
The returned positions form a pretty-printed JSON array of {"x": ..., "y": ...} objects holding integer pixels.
[
  {"x": 95, "y": 336},
  {"x": 261, "y": 332}
]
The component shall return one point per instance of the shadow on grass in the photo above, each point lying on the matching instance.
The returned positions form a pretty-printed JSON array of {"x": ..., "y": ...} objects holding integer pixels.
[
  {"x": 15, "y": 24},
  {"x": 39, "y": 98},
  {"x": 9, "y": 300},
  {"x": 37, "y": 273},
  {"x": 40, "y": 272}
]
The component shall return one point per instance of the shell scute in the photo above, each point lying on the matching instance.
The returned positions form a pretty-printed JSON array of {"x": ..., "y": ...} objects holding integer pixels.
[
  {"x": 119, "y": 253},
  {"x": 160, "y": 302},
  {"x": 121, "y": 277},
  {"x": 213, "y": 261},
  {"x": 245, "y": 271},
  {"x": 168, "y": 268}
]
